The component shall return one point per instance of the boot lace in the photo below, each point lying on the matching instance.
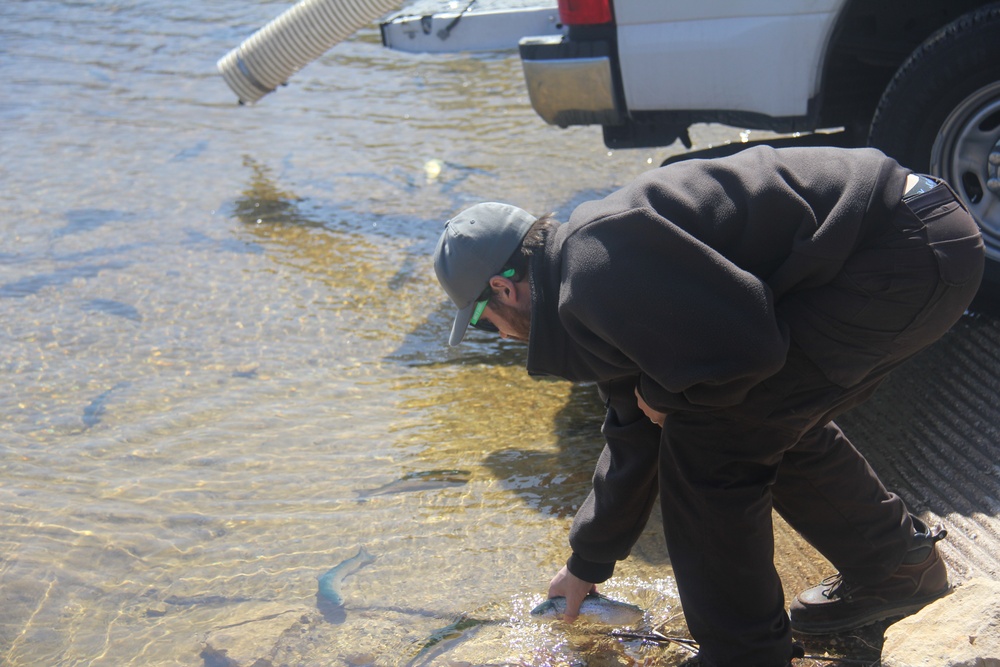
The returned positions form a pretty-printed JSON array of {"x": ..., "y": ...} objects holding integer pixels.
[{"x": 838, "y": 586}]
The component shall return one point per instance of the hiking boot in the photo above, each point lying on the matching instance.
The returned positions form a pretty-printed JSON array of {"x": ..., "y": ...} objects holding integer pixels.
[{"x": 839, "y": 604}]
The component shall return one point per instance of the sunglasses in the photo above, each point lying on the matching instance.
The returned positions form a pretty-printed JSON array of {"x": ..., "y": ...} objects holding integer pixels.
[{"x": 484, "y": 299}]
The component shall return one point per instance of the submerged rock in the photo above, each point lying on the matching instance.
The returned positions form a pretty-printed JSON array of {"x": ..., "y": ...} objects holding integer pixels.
[{"x": 959, "y": 630}]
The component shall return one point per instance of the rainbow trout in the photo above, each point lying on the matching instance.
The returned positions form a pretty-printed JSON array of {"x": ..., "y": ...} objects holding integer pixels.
[
  {"x": 596, "y": 608},
  {"x": 328, "y": 597}
]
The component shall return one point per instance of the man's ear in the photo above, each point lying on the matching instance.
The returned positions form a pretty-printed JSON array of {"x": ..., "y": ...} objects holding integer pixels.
[{"x": 505, "y": 289}]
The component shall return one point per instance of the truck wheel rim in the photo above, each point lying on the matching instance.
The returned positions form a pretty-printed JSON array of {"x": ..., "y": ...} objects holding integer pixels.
[{"x": 966, "y": 153}]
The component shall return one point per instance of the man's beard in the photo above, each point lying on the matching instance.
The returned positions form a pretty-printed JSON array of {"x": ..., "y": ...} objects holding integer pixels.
[{"x": 518, "y": 320}]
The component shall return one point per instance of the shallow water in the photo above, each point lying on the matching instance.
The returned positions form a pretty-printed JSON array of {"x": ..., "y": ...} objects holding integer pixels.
[
  {"x": 220, "y": 329},
  {"x": 224, "y": 366}
]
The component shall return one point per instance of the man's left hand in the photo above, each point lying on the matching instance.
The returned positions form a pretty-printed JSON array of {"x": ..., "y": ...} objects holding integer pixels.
[{"x": 654, "y": 416}]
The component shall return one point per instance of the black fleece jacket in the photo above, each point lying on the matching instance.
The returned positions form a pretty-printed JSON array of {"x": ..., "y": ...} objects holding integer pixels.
[{"x": 675, "y": 283}]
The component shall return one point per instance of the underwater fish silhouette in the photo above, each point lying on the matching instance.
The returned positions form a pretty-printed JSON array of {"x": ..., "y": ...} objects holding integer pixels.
[{"x": 422, "y": 480}]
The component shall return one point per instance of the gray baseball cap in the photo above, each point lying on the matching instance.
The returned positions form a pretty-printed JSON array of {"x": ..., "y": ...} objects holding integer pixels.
[{"x": 475, "y": 245}]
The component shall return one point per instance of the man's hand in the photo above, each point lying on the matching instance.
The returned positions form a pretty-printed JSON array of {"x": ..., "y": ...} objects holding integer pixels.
[
  {"x": 572, "y": 588},
  {"x": 654, "y": 416}
]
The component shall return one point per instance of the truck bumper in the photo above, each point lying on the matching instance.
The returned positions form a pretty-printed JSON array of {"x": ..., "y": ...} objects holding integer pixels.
[
  {"x": 452, "y": 32},
  {"x": 570, "y": 83}
]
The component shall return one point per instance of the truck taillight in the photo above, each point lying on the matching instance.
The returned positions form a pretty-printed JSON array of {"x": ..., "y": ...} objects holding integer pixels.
[{"x": 584, "y": 12}]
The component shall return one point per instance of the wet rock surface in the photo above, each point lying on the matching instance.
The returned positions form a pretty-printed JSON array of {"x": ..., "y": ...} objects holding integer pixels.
[{"x": 959, "y": 630}]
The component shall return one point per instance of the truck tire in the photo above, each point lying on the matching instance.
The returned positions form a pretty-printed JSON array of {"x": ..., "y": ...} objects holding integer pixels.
[{"x": 940, "y": 114}]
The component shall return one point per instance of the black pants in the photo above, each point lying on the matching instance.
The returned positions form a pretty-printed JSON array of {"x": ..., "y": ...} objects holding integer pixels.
[{"x": 722, "y": 472}]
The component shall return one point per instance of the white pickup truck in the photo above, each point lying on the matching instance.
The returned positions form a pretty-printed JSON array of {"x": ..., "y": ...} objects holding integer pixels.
[{"x": 919, "y": 79}]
